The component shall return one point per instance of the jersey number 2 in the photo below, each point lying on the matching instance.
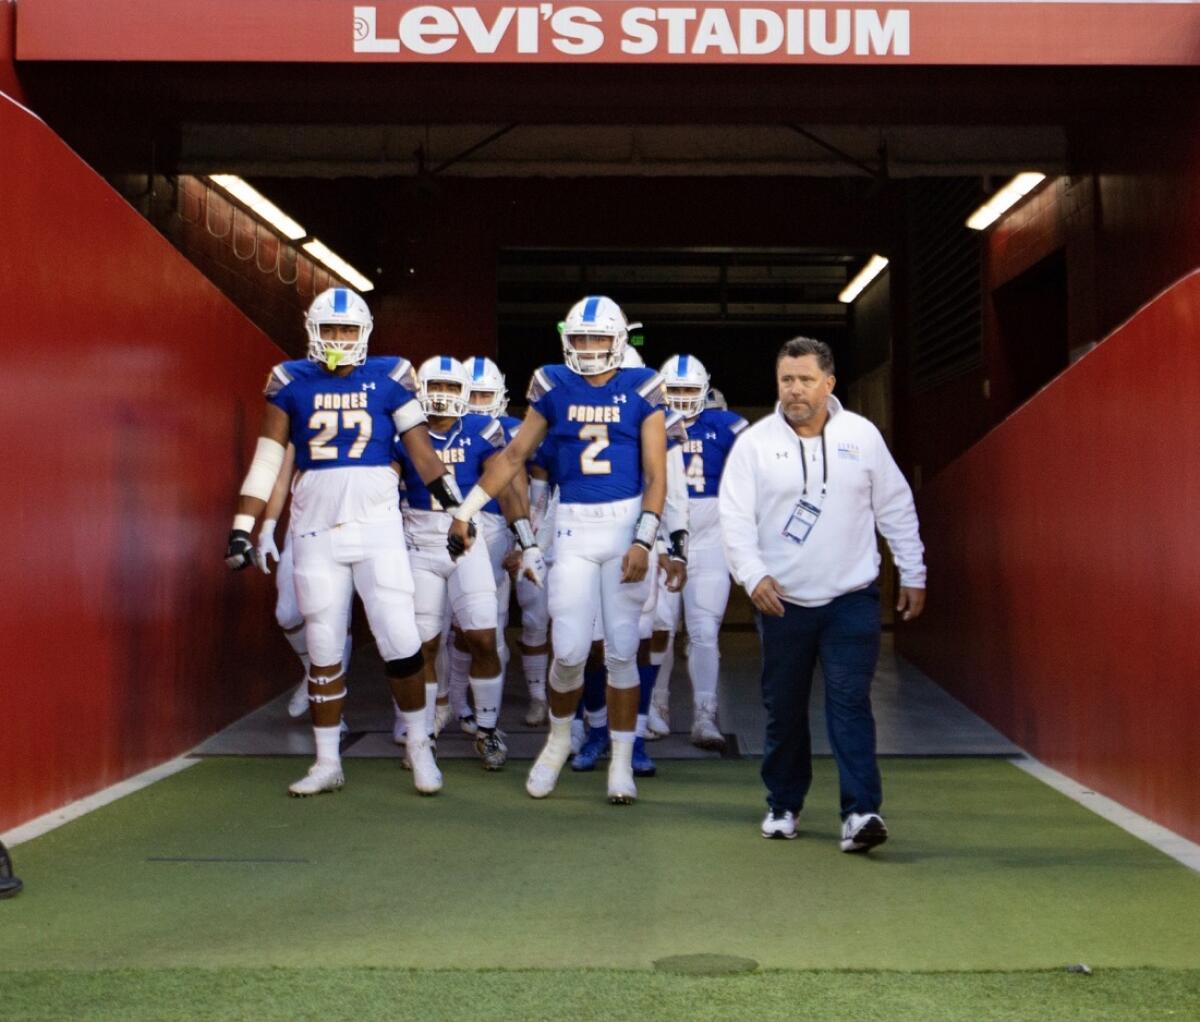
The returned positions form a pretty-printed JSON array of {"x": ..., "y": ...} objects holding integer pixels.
[
  {"x": 589, "y": 464},
  {"x": 328, "y": 424}
]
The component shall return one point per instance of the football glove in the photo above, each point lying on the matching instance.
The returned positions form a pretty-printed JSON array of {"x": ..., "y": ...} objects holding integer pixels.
[{"x": 239, "y": 552}]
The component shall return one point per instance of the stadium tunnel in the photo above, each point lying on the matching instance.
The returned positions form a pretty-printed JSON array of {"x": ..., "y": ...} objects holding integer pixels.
[{"x": 726, "y": 206}]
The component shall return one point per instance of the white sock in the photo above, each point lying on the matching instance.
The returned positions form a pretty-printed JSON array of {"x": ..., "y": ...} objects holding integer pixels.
[
  {"x": 622, "y": 738},
  {"x": 537, "y": 690},
  {"x": 597, "y": 718},
  {"x": 703, "y": 667},
  {"x": 560, "y": 729},
  {"x": 329, "y": 741},
  {"x": 642, "y": 728},
  {"x": 535, "y": 666},
  {"x": 459, "y": 667},
  {"x": 430, "y": 705},
  {"x": 416, "y": 723},
  {"x": 666, "y": 663},
  {"x": 487, "y": 692}
]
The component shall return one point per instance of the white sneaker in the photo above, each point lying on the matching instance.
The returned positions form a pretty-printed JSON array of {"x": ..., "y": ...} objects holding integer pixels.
[
  {"x": 779, "y": 823},
  {"x": 543, "y": 775},
  {"x": 705, "y": 733},
  {"x": 658, "y": 724},
  {"x": 622, "y": 789},
  {"x": 537, "y": 714},
  {"x": 427, "y": 778},
  {"x": 298, "y": 704},
  {"x": 863, "y": 831},
  {"x": 578, "y": 734},
  {"x": 441, "y": 717},
  {"x": 320, "y": 777}
]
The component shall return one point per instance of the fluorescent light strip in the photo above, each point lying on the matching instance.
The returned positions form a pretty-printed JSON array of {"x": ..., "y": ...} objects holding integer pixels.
[
  {"x": 332, "y": 261},
  {"x": 875, "y": 266},
  {"x": 259, "y": 204},
  {"x": 1004, "y": 200}
]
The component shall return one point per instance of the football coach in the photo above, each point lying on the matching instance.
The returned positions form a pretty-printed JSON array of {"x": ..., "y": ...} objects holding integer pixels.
[{"x": 802, "y": 494}]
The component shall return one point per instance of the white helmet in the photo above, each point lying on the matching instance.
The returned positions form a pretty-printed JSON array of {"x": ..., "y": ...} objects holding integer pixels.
[
  {"x": 338, "y": 306},
  {"x": 446, "y": 370},
  {"x": 485, "y": 378},
  {"x": 686, "y": 381},
  {"x": 595, "y": 316},
  {"x": 632, "y": 359},
  {"x": 716, "y": 399}
]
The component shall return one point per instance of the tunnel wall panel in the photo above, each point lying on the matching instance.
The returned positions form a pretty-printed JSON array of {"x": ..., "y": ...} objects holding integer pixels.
[
  {"x": 9, "y": 84},
  {"x": 1061, "y": 552},
  {"x": 130, "y": 399}
]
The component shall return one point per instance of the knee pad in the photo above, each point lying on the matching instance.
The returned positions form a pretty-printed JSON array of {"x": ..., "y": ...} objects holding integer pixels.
[
  {"x": 622, "y": 672},
  {"x": 565, "y": 677},
  {"x": 702, "y": 632},
  {"x": 405, "y": 667}
]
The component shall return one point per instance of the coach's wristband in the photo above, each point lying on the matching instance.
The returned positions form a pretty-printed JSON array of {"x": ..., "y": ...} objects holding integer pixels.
[
  {"x": 523, "y": 530},
  {"x": 646, "y": 530},
  {"x": 472, "y": 503}
]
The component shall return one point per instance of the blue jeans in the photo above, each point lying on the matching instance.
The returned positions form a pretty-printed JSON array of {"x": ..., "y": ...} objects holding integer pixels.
[{"x": 844, "y": 635}]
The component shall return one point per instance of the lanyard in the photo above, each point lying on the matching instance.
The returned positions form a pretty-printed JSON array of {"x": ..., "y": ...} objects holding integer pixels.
[{"x": 824, "y": 463}]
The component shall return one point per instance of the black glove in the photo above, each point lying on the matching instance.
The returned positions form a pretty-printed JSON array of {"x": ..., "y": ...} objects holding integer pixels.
[
  {"x": 239, "y": 552},
  {"x": 455, "y": 544},
  {"x": 679, "y": 545}
]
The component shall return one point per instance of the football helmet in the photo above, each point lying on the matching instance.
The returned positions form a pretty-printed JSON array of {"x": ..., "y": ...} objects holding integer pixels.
[
  {"x": 338, "y": 306},
  {"x": 686, "y": 381},
  {"x": 716, "y": 399},
  {"x": 485, "y": 378},
  {"x": 632, "y": 359},
  {"x": 442, "y": 369},
  {"x": 595, "y": 316}
]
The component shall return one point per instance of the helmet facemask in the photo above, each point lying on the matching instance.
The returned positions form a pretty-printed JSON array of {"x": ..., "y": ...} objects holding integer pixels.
[
  {"x": 338, "y": 307},
  {"x": 593, "y": 362},
  {"x": 686, "y": 399},
  {"x": 449, "y": 399}
]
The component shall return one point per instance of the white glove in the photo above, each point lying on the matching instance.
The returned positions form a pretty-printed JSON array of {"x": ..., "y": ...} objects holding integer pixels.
[
  {"x": 266, "y": 545},
  {"x": 533, "y": 565}
]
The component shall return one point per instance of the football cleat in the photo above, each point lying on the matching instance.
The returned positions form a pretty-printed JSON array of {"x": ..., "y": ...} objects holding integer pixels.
[
  {"x": 622, "y": 791},
  {"x": 863, "y": 831},
  {"x": 9, "y": 885},
  {"x": 537, "y": 714},
  {"x": 705, "y": 733},
  {"x": 491, "y": 748},
  {"x": 658, "y": 724},
  {"x": 779, "y": 823},
  {"x": 298, "y": 703},
  {"x": 643, "y": 765},
  {"x": 427, "y": 778},
  {"x": 468, "y": 724},
  {"x": 543, "y": 776},
  {"x": 594, "y": 749},
  {"x": 320, "y": 777},
  {"x": 441, "y": 717}
]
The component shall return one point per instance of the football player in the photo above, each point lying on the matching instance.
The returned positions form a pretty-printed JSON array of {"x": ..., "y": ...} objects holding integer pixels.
[
  {"x": 341, "y": 410},
  {"x": 610, "y": 451},
  {"x": 710, "y": 434},
  {"x": 464, "y": 442}
]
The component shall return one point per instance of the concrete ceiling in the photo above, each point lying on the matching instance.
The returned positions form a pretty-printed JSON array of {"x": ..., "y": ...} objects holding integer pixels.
[{"x": 573, "y": 150}]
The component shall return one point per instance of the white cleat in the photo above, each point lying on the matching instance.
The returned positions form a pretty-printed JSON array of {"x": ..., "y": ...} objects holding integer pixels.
[
  {"x": 537, "y": 714},
  {"x": 658, "y": 724},
  {"x": 441, "y": 717},
  {"x": 320, "y": 777},
  {"x": 427, "y": 778},
  {"x": 543, "y": 776},
  {"x": 298, "y": 704},
  {"x": 705, "y": 733},
  {"x": 622, "y": 791}
]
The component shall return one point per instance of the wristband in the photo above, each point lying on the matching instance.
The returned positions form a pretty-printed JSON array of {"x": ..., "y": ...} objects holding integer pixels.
[
  {"x": 679, "y": 545},
  {"x": 472, "y": 504},
  {"x": 646, "y": 530},
  {"x": 523, "y": 530},
  {"x": 243, "y": 523},
  {"x": 445, "y": 490}
]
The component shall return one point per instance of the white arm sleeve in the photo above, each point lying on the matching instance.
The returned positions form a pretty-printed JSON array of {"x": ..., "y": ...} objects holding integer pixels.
[
  {"x": 737, "y": 503},
  {"x": 264, "y": 469},
  {"x": 675, "y": 510}
]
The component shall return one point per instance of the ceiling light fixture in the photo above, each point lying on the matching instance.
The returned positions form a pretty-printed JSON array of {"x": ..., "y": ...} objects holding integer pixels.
[
  {"x": 875, "y": 266},
  {"x": 332, "y": 261},
  {"x": 1004, "y": 200},
  {"x": 259, "y": 204}
]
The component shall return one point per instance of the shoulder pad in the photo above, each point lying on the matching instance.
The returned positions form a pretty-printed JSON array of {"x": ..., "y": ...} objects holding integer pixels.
[
  {"x": 493, "y": 433},
  {"x": 540, "y": 384},
  {"x": 278, "y": 378},
  {"x": 676, "y": 430},
  {"x": 402, "y": 373},
  {"x": 652, "y": 388}
]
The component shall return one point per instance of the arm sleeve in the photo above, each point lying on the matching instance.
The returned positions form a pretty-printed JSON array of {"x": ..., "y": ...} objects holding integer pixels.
[
  {"x": 675, "y": 510},
  {"x": 737, "y": 503},
  {"x": 896, "y": 516}
]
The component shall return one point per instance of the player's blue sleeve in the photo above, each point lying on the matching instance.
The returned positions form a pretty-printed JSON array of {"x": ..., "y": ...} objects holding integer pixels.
[
  {"x": 276, "y": 391},
  {"x": 538, "y": 394}
]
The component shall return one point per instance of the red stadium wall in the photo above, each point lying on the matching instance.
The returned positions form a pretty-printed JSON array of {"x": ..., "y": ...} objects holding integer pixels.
[
  {"x": 1061, "y": 553},
  {"x": 8, "y": 42},
  {"x": 129, "y": 399}
]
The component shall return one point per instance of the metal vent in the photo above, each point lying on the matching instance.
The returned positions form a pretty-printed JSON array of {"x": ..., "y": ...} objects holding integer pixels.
[{"x": 945, "y": 290}]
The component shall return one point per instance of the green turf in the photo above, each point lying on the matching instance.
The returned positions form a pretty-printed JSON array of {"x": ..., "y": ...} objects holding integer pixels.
[
  {"x": 988, "y": 870},
  {"x": 397, "y": 995}
]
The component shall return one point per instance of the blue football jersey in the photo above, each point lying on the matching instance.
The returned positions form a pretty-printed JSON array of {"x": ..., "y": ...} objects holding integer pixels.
[
  {"x": 596, "y": 432},
  {"x": 464, "y": 449},
  {"x": 342, "y": 421},
  {"x": 709, "y": 439}
]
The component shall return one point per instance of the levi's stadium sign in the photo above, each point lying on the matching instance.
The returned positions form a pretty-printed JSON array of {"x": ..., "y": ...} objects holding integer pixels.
[{"x": 962, "y": 32}]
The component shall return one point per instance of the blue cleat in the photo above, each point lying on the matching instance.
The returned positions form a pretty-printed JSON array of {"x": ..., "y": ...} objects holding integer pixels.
[
  {"x": 594, "y": 748},
  {"x": 643, "y": 765}
]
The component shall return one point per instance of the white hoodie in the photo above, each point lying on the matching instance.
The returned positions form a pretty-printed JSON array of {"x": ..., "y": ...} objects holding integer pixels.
[{"x": 763, "y": 481}]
